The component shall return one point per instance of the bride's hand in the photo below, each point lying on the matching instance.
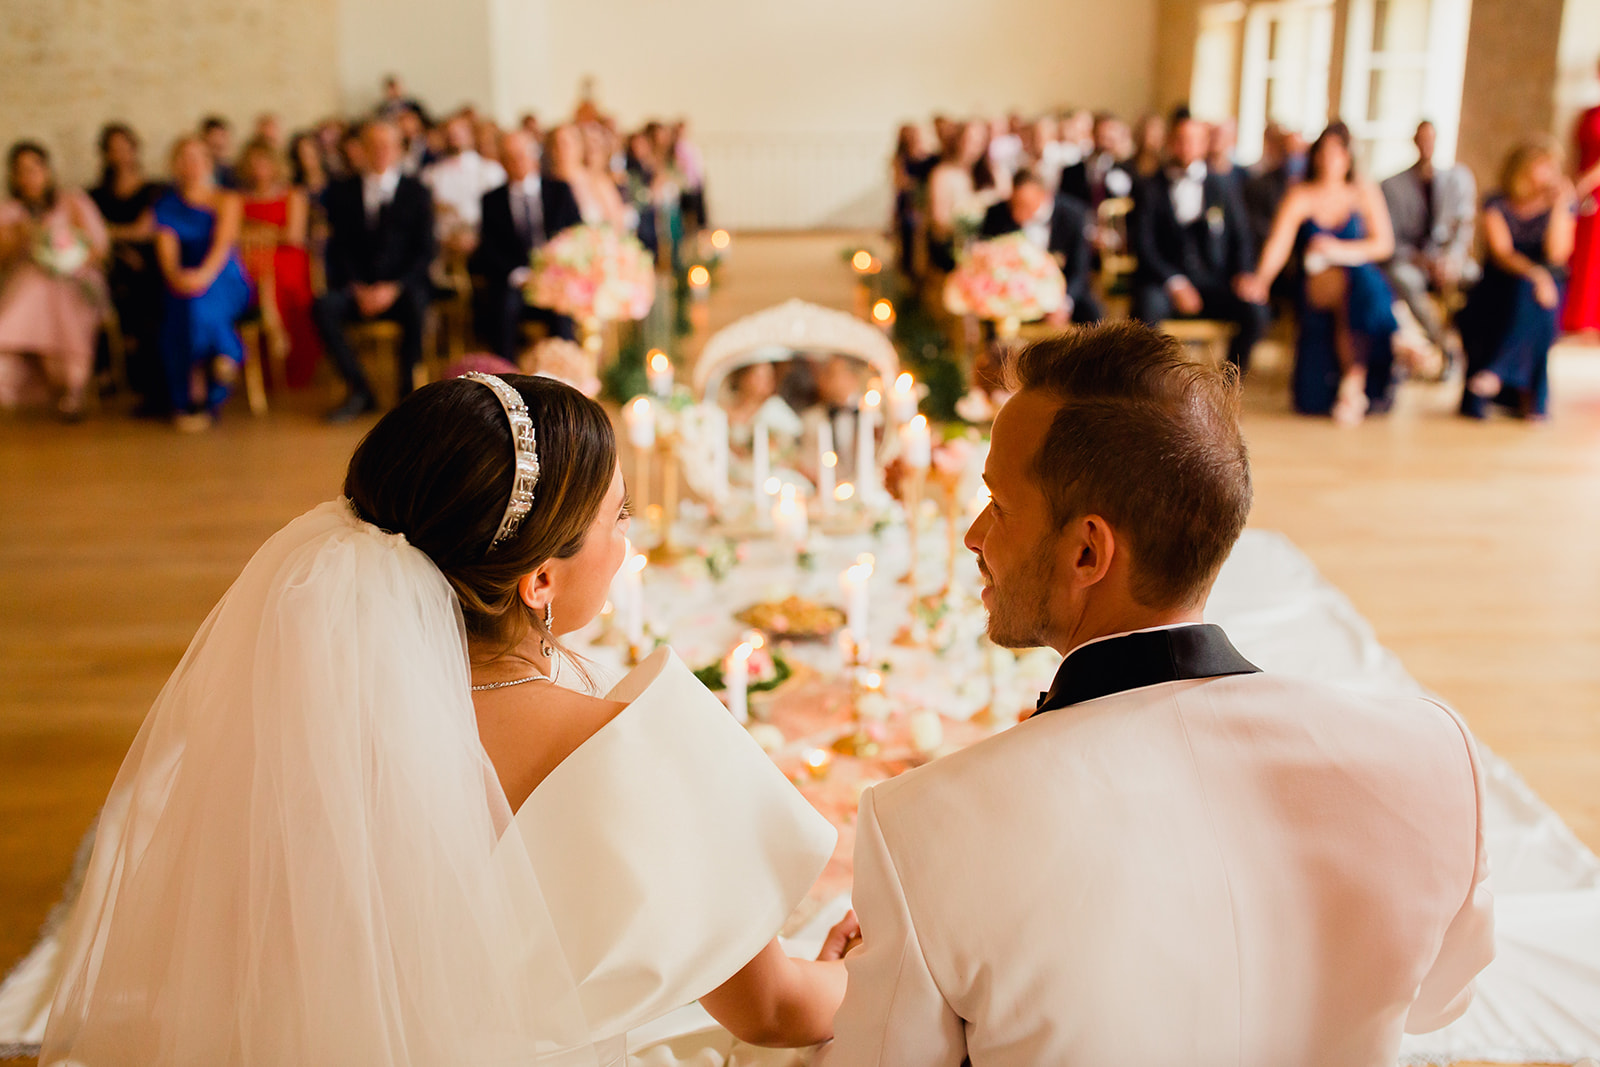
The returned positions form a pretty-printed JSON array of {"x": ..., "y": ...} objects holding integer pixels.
[{"x": 841, "y": 939}]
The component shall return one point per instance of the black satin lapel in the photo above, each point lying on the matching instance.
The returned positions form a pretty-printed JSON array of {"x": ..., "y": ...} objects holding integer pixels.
[{"x": 1134, "y": 661}]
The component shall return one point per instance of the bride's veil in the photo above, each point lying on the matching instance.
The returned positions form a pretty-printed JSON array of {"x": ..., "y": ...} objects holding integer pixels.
[{"x": 301, "y": 860}]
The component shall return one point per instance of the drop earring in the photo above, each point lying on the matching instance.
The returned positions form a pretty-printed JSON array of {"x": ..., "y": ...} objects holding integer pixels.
[{"x": 549, "y": 632}]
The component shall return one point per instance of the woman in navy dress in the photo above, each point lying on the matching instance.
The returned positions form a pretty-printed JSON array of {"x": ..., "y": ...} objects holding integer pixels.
[
  {"x": 1344, "y": 351},
  {"x": 197, "y": 229},
  {"x": 1509, "y": 321}
]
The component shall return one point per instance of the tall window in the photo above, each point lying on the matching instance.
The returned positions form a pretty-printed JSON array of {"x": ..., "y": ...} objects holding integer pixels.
[
  {"x": 1404, "y": 61},
  {"x": 1283, "y": 74}
]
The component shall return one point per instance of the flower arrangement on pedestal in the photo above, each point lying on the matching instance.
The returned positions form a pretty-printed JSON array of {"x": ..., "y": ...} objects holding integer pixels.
[
  {"x": 594, "y": 274},
  {"x": 1009, "y": 280}
]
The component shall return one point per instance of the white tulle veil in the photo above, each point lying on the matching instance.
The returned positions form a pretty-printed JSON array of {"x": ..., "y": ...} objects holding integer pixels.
[{"x": 301, "y": 860}]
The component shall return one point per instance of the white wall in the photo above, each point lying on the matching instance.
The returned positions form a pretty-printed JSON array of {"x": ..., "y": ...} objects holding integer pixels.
[
  {"x": 440, "y": 50},
  {"x": 795, "y": 104},
  {"x": 1577, "y": 81}
]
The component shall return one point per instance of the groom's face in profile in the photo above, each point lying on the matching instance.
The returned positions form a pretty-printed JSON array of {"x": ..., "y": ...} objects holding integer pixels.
[{"x": 1015, "y": 537}]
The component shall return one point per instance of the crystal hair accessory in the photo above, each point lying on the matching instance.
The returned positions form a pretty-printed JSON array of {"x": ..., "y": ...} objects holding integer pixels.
[{"x": 525, "y": 476}]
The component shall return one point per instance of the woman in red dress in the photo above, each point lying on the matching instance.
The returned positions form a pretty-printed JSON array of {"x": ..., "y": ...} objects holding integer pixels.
[
  {"x": 270, "y": 201},
  {"x": 1582, "y": 311}
]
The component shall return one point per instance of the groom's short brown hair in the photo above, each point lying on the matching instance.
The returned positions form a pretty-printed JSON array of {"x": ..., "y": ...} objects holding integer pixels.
[{"x": 1148, "y": 439}]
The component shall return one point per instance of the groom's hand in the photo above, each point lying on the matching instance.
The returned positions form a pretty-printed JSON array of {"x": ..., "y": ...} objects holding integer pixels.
[{"x": 841, "y": 939}]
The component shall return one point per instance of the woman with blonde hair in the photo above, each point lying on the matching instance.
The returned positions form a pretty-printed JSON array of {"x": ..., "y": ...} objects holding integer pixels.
[{"x": 1509, "y": 322}]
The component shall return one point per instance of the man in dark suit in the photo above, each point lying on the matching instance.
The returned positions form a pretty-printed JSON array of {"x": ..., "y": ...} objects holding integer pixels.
[
  {"x": 380, "y": 245},
  {"x": 1057, "y": 224},
  {"x": 1192, "y": 240},
  {"x": 1102, "y": 173},
  {"x": 518, "y": 217},
  {"x": 1283, "y": 163}
]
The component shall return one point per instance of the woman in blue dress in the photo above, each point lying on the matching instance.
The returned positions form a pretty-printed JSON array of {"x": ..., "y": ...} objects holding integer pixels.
[
  {"x": 1509, "y": 321},
  {"x": 1344, "y": 351},
  {"x": 197, "y": 228}
]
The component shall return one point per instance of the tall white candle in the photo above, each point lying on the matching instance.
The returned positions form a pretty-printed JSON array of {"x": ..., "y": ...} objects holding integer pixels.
[
  {"x": 641, "y": 420},
  {"x": 789, "y": 522},
  {"x": 760, "y": 461},
  {"x": 824, "y": 443},
  {"x": 736, "y": 679},
  {"x": 856, "y": 585},
  {"x": 717, "y": 421},
  {"x": 903, "y": 399},
  {"x": 633, "y": 599},
  {"x": 867, "y": 444},
  {"x": 916, "y": 445},
  {"x": 659, "y": 373},
  {"x": 827, "y": 473}
]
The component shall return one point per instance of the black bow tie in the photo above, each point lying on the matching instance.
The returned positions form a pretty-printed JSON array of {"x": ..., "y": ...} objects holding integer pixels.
[{"x": 1136, "y": 660}]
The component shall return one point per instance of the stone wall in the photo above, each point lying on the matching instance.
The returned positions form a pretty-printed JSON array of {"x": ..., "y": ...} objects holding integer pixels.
[
  {"x": 1510, "y": 81},
  {"x": 67, "y": 66}
]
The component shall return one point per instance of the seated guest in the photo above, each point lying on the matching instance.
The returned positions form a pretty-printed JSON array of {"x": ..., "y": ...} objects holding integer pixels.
[
  {"x": 458, "y": 182},
  {"x": 396, "y": 101},
  {"x": 126, "y": 199},
  {"x": 217, "y": 134},
  {"x": 269, "y": 128},
  {"x": 651, "y": 193},
  {"x": 1282, "y": 165},
  {"x": 579, "y": 156},
  {"x": 1178, "y": 858},
  {"x": 518, "y": 218},
  {"x": 418, "y": 152},
  {"x": 1432, "y": 210},
  {"x": 1509, "y": 321},
  {"x": 284, "y": 211},
  {"x": 1344, "y": 350},
  {"x": 689, "y": 162},
  {"x": 755, "y": 399},
  {"x": 307, "y": 168},
  {"x": 1102, "y": 173},
  {"x": 1189, "y": 232},
  {"x": 1219, "y": 156},
  {"x": 380, "y": 246},
  {"x": 1056, "y": 224},
  {"x": 53, "y": 247},
  {"x": 913, "y": 162},
  {"x": 1149, "y": 147},
  {"x": 197, "y": 233},
  {"x": 961, "y": 186}
]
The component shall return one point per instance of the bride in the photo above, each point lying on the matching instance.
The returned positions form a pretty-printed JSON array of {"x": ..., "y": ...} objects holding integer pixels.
[{"x": 370, "y": 820}]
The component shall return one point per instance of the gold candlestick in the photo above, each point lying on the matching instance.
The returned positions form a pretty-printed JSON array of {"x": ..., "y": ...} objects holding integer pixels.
[{"x": 667, "y": 550}]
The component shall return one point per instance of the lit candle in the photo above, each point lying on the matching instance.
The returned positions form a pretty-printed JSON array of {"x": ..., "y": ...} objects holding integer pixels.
[
  {"x": 736, "y": 681},
  {"x": 641, "y": 419},
  {"x": 817, "y": 763},
  {"x": 883, "y": 314},
  {"x": 720, "y": 240},
  {"x": 633, "y": 599},
  {"x": 867, "y": 443},
  {"x": 916, "y": 446},
  {"x": 699, "y": 281},
  {"x": 659, "y": 373},
  {"x": 843, "y": 491},
  {"x": 827, "y": 471},
  {"x": 861, "y": 261},
  {"x": 903, "y": 399},
  {"x": 789, "y": 518},
  {"x": 855, "y": 581},
  {"x": 765, "y": 492}
]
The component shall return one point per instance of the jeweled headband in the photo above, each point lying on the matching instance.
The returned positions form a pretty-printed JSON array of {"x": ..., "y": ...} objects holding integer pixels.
[{"x": 526, "y": 475}]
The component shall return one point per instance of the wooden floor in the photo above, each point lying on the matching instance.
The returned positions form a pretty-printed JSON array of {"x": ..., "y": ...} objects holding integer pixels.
[{"x": 1473, "y": 549}]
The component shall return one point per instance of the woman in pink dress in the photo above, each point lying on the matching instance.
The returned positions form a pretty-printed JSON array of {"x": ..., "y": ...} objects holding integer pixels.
[
  {"x": 1582, "y": 310},
  {"x": 53, "y": 244},
  {"x": 269, "y": 201}
]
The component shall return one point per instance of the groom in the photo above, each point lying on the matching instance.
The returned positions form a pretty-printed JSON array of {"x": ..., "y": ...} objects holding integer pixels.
[{"x": 1178, "y": 859}]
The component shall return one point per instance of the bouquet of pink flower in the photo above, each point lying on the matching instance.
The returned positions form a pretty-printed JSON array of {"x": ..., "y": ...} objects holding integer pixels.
[
  {"x": 593, "y": 272},
  {"x": 1006, "y": 278}
]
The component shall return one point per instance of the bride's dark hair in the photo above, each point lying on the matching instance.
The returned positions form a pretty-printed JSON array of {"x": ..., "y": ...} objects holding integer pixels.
[{"x": 438, "y": 469}]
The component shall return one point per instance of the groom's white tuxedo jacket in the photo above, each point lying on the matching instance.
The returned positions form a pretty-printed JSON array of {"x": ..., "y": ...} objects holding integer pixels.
[{"x": 1178, "y": 860}]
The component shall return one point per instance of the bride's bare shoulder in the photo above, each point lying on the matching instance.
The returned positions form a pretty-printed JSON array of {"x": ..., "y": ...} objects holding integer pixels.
[{"x": 528, "y": 730}]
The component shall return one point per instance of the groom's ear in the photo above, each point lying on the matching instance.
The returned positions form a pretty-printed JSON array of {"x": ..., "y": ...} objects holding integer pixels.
[{"x": 1090, "y": 546}]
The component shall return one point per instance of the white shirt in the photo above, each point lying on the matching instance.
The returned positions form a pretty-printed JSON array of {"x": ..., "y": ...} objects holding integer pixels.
[
  {"x": 459, "y": 182},
  {"x": 1189, "y": 194},
  {"x": 1037, "y": 229},
  {"x": 376, "y": 192}
]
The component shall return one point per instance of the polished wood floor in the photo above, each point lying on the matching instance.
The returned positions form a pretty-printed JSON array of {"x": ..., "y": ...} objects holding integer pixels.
[{"x": 1474, "y": 549}]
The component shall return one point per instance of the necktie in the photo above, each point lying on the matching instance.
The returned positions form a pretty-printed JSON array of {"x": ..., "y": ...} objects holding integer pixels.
[{"x": 519, "y": 214}]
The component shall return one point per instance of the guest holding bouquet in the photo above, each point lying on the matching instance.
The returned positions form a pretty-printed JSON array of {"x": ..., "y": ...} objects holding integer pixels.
[
  {"x": 1057, "y": 225},
  {"x": 197, "y": 233},
  {"x": 271, "y": 203},
  {"x": 126, "y": 199},
  {"x": 52, "y": 290},
  {"x": 1509, "y": 322}
]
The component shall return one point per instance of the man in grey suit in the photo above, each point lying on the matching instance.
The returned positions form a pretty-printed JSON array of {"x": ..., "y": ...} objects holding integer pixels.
[{"x": 1433, "y": 209}]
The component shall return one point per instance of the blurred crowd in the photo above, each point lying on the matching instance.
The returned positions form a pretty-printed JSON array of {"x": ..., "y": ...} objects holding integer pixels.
[
  {"x": 1160, "y": 220},
  {"x": 144, "y": 280}
]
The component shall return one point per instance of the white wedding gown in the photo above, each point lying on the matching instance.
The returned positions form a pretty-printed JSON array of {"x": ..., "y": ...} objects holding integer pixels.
[
  {"x": 307, "y": 858},
  {"x": 669, "y": 849}
]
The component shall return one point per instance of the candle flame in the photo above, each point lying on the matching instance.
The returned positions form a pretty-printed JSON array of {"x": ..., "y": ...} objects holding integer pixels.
[
  {"x": 830, "y": 459},
  {"x": 771, "y": 485},
  {"x": 787, "y": 493},
  {"x": 659, "y": 361},
  {"x": 862, "y": 260},
  {"x": 919, "y": 423},
  {"x": 903, "y": 383},
  {"x": 754, "y": 638},
  {"x": 872, "y": 399},
  {"x": 844, "y": 490},
  {"x": 699, "y": 277},
  {"x": 874, "y": 680},
  {"x": 719, "y": 239},
  {"x": 882, "y": 311},
  {"x": 640, "y": 407},
  {"x": 867, "y": 560},
  {"x": 816, "y": 759},
  {"x": 741, "y": 652},
  {"x": 637, "y": 563}
]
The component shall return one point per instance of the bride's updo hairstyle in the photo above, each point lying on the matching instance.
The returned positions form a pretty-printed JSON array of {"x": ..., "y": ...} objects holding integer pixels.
[{"x": 438, "y": 470}]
